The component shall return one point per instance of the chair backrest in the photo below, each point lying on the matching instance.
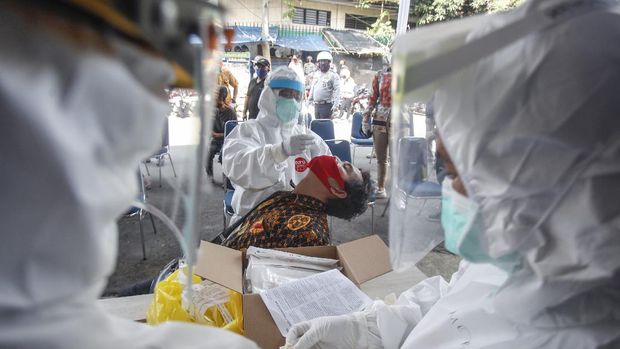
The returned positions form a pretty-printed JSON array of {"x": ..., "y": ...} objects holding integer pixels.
[
  {"x": 229, "y": 126},
  {"x": 412, "y": 162},
  {"x": 324, "y": 128},
  {"x": 356, "y": 127},
  {"x": 340, "y": 149}
]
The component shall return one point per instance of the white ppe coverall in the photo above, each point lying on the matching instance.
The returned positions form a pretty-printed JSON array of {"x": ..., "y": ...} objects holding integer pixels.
[
  {"x": 76, "y": 121},
  {"x": 251, "y": 152},
  {"x": 534, "y": 133}
]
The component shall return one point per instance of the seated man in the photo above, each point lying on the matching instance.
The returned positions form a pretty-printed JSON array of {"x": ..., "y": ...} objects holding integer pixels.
[
  {"x": 223, "y": 113},
  {"x": 299, "y": 217}
]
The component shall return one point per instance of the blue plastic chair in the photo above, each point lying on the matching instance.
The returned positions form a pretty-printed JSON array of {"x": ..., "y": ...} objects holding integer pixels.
[
  {"x": 324, "y": 128},
  {"x": 358, "y": 139},
  {"x": 340, "y": 148},
  {"x": 412, "y": 172},
  {"x": 229, "y": 189}
]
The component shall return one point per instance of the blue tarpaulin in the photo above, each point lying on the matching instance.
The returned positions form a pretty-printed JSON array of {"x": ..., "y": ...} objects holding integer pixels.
[
  {"x": 310, "y": 42},
  {"x": 248, "y": 34}
]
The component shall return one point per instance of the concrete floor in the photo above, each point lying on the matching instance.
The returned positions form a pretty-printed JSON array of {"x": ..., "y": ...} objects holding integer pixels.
[{"x": 162, "y": 247}]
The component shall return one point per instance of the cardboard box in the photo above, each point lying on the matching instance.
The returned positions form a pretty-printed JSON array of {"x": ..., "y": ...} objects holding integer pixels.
[{"x": 361, "y": 260}]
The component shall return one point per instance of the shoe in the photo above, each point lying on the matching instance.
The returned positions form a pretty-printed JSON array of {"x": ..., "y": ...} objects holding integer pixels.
[
  {"x": 373, "y": 156},
  {"x": 380, "y": 194}
]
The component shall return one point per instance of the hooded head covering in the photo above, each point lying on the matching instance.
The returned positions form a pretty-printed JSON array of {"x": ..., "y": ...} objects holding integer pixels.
[
  {"x": 280, "y": 78},
  {"x": 535, "y": 134}
]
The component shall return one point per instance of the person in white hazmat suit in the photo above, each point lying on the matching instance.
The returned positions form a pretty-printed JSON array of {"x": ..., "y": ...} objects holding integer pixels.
[
  {"x": 534, "y": 134},
  {"x": 80, "y": 108},
  {"x": 270, "y": 153}
]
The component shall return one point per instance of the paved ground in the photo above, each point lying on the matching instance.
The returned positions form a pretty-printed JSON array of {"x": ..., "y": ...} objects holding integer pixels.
[{"x": 162, "y": 247}]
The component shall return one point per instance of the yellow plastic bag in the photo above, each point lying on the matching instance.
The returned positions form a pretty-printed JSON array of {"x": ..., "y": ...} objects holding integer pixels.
[{"x": 210, "y": 305}]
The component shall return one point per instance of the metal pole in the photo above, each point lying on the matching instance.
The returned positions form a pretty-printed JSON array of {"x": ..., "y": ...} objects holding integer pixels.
[
  {"x": 265, "y": 30},
  {"x": 403, "y": 17}
]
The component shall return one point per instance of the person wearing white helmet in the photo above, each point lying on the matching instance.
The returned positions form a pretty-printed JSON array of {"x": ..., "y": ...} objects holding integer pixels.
[
  {"x": 270, "y": 153},
  {"x": 532, "y": 131},
  {"x": 82, "y": 103},
  {"x": 325, "y": 90}
]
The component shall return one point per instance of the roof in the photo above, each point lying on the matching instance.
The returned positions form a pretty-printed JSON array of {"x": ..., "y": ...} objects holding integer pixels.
[
  {"x": 351, "y": 41},
  {"x": 308, "y": 42},
  {"x": 247, "y": 34}
]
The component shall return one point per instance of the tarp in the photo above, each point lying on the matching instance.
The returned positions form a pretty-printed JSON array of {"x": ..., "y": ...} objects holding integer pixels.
[
  {"x": 310, "y": 42},
  {"x": 249, "y": 34}
]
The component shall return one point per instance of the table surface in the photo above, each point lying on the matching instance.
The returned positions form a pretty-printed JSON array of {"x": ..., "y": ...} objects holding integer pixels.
[{"x": 134, "y": 307}]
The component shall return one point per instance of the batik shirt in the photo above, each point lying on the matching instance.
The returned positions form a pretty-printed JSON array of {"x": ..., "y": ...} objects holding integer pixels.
[{"x": 284, "y": 219}]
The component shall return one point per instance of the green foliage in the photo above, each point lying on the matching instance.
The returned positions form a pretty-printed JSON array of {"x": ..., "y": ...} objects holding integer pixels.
[
  {"x": 289, "y": 9},
  {"x": 429, "y": 11},
  {"x": 382, "y": 30}
]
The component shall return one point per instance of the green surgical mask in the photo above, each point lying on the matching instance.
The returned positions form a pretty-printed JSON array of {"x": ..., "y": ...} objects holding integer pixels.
[
  {"x": 287, "y": 109},
  {"x": 463, "y": 229}
]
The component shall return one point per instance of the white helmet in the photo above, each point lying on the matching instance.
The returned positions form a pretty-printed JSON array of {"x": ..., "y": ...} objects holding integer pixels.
[{"x": 324, "y": 55}]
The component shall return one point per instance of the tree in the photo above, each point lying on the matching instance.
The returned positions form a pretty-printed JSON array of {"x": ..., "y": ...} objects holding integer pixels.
[
  {"x": 429, "y": 11},
  {"x": 382, "y": 29}
]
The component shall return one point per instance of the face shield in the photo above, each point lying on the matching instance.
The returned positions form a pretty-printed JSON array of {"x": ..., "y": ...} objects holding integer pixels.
[
  {"x": 190, "y": 33},
  {"x": 442, "y": 63}
]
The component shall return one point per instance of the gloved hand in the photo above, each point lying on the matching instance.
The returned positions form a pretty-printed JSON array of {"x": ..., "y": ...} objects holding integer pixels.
[
  {"x": 297, "y": 144},
  {"x": 342, "y": 332}
]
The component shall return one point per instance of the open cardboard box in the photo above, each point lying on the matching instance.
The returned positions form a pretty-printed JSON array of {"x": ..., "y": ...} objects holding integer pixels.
[{"x": 361, "y": 260}]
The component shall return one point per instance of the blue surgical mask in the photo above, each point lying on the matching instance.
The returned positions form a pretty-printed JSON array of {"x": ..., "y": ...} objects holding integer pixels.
[
  {"x": 463, "y": 228},
  {"x": 287, "y": 109},
  {"x": 261, "y": 72}
]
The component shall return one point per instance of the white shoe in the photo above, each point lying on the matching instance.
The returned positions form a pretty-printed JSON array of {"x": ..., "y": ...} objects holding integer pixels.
[{"x": 380, "y": 194}]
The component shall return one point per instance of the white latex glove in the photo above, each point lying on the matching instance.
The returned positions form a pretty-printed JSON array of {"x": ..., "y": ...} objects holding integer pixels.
[
  {"x": 356, "y": 330},
  {"x": 297, "y": 144}
]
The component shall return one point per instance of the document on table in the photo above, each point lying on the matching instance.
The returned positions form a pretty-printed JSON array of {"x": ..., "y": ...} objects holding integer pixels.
[{"x": 326, "y": 294}]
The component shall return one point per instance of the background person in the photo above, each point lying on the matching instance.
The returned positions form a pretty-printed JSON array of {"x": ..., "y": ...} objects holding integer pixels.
[
  {"x": 266, "y": 155},
  {"x": 296, "y": 65},
  {"x": 255, "y": 87},
  {"x": 226, "y": 78},
  {"x": 223, "y": 114},
  {"x": 379, "y": 110},
  {"x": 299, "y": 217},
  {"x": 325, "y": 91},
  {"x": 348, "y": 92}
]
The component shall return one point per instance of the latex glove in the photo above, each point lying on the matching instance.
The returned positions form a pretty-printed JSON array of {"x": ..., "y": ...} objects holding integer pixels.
[
  {"x": 297, "y": 144},
  {"x": 342, "y": 332}
]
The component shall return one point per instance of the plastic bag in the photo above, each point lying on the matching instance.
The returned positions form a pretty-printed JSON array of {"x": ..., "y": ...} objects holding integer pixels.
[{"x": 210, "y": 304}]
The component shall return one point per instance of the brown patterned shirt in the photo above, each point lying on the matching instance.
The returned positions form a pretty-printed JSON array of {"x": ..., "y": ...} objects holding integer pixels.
[{"x": 283, "y": 220}]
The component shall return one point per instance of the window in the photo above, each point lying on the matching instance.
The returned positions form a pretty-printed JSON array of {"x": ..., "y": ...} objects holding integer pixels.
[
  {"x": 358, "y": 21},
  {"x": 362, "y": 22},
  {"x": 312, "y": 17}
]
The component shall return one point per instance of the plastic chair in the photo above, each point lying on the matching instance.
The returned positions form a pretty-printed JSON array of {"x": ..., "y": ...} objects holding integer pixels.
[
  {"x": 161, "y": 157},
  {"x": 412, "y": 172},
  {"x": 358, "y": 139},
  {"x": 339, "y": 148},
  {"x": 135, "y": 211},
  {"x": 324, "y": 128},
  {"x": 342, "y": 150},
  {"x": 229, "y": 189}
]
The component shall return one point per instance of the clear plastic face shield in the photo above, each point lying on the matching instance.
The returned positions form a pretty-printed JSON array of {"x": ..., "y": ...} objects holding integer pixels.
[
  {"x": 191, "y": 33},
  {"x": 436, "y": 63}
]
